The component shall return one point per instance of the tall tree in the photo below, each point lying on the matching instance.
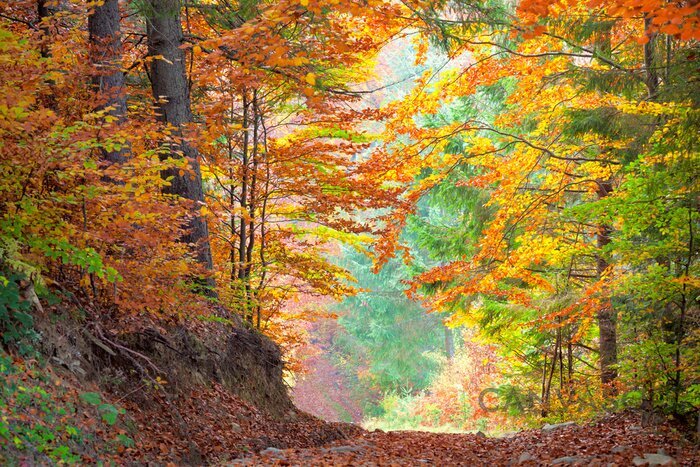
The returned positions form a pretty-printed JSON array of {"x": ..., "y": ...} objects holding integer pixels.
[
  {"x": 172, "y": 94},
  {"x": 606, "y": 314},
  {"x": 105, "y": 55}
]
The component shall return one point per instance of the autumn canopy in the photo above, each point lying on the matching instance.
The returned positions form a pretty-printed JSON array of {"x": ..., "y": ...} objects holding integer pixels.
[{"x": 441, "y": 197}]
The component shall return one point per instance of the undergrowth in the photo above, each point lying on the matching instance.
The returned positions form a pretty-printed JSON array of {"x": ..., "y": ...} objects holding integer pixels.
[{"x": 44, "y": 419}]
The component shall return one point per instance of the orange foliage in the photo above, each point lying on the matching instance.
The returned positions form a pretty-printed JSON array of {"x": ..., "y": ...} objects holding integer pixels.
[
  {"x": 61, "y": 202},
  {"x": 291, "y": 66},
  {"x": 676, "y": 18}
]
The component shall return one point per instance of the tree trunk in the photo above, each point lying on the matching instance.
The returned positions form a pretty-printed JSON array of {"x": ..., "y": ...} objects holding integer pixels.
[
  {"x": 170, "y": 89},
  {"x": 243, "y": 236},
  {"x": 652, "y": 77},
  {"x": 449, "y": 343},
  {"x": 606, "y": 314},
  {"x": 105, "y": 54},
  {"x": 569, "y": 362},
  {"x": 263, "y": 221},
  {"x": 250, "y": 296},
  {"x": 44, "y": 11}
]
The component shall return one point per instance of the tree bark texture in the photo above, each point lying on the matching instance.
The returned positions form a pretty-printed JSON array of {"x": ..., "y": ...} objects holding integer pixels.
[
  {"x": 106, "y": 54},
  {"x": 606, "y": 314},
  {"x": 171, "y": 91}
]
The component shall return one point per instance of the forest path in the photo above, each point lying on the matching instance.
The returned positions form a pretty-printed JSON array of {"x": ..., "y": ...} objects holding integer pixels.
[
  {"x": 324, "y": 392},
  {"x": 617, "y": 440}
]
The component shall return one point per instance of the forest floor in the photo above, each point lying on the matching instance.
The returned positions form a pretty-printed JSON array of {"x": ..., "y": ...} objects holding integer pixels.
[
  {"x": 225, "y": 430},
  {"x": 615, "y": 440},
  {"x": 51, "y": 409},
  {"x": 211, "y": 426}
]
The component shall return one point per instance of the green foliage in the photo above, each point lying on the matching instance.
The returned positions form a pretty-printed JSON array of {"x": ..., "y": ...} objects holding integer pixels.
[
  {"x": 340, "y": 134},
  {"x": 387, "y": 339},
  {"x": 43, "y": 421},
  {"x": 16, "y": 321},
  {"x": 108, "y": 412},
  {"x": 398, "y": 413},
  {"x": 19, "y": 248},
  {"x": 91, "y": 398},
  {"x": 448, "y": 219}
]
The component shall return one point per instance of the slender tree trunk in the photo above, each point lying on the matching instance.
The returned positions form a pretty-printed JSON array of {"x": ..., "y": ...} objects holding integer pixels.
[
  {"x": 170, "y": 89},
  {"x": 548, "y": 388},
  {"x": 233, "y": 231},
  {"x": 569, "y": 362},
  {"x": 544, "y": 386},
  {"x": 44, "y": 11},
  {"x": 652, "y": 76},
  {"x": 263, "y": 223},
  {"x": 561, "y": 360},
  {"x": 106, "y": 54},
  {"x": 250, "y": 295},
  {"x": 449, "y": 343},
  {"x": 606, "y": 314},
  {"x": 243, "y": 235}
]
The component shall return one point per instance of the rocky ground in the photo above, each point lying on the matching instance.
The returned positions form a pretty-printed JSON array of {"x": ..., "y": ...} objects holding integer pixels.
[{"x": 617, "y": 440}]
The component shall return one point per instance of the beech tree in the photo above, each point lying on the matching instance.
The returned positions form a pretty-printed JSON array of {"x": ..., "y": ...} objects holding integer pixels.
[
  {"x": 105, "y": 54},
  {"x": 168, "y": 75}
]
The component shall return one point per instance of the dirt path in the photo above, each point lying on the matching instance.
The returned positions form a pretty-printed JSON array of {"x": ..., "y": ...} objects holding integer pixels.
[
  {"x": 323, "y": 391},
  {"x": 617, "y": 440}
]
